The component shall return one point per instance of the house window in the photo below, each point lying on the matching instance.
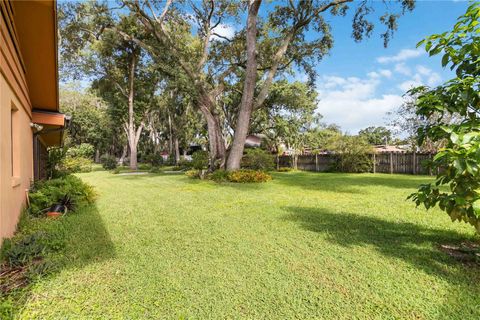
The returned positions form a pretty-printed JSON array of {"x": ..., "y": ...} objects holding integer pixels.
[{"x": 14, "y": 142}]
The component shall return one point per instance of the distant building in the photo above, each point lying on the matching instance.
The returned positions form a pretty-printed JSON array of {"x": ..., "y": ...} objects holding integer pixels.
[
  {"x": 387, "y": 148},
  {"x": 254, "y": 140}
]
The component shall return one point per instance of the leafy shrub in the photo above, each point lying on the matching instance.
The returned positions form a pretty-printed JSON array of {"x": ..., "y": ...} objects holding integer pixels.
[
  {"x": 219, "y": 176},
  {"x": 200, "y": 160},
  {"x": 155, "y": 159},
  {"x": 284, "y": 169},
  {"x": 20, "y": 251},
  {"x": 170, "y": 160},
  {"x": 109, "y": 162},
  {"x": 54, "y": 160},
  {"x": 84, "y": 150},
  {"x": 155, "y": 169},
  {"x": 258, "y": 159},
  {"x": 193, "y": 173},
  {"x": 75, "y": 165},
  {"x": 45, "y": 193},
  {"x": 185, "y": 164},
  {"x": 352, "y": 154},
  {"x": 247, "y": 176},
  {"x": 144, "y": 166},
  {"x": 116, "y": 171},
  {"x": 348, "y": 162}
]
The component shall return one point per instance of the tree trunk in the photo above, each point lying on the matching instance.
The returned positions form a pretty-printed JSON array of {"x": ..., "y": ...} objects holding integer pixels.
[
  {"x": 133, "y": 157},
  {"x": 170, "y": 135},
  {"x": 97, "y": 156},
  {"x": 215, "y": 139},
  {"x": 132, "y": 135},
  {"x": 246, "y": 105},
  {"x": 124, "y": 154},
  {"x": 177, "y": 150}
]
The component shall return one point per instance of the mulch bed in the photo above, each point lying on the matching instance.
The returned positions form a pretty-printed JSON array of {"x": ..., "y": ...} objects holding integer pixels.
[{"x": 12, "y": 278}]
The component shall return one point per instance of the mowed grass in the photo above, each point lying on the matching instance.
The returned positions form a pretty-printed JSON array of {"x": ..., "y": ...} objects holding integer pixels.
[{"x": 304, "y": 246}]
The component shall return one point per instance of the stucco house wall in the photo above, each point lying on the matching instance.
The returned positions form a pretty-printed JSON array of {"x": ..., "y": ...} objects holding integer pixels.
[
  {"x": 28, "y": 94},
  {"x": 16, "y": 158},
  {"x": 16, "y": 137}
]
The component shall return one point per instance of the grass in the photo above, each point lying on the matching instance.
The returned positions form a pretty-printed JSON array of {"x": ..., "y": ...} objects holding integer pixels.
[{"x": 303, "y": 246}]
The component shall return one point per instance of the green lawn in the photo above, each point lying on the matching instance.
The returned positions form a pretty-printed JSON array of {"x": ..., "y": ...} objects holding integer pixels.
[{"x": 304, "y": 246}]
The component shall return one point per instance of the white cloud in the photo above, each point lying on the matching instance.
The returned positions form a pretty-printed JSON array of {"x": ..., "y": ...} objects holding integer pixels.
[
  {"x": 409, "y": 84},
  {"x": 403, "y": 69},
  {"x": 386, "y": 73},
  {"x": 423, "y": 76},
  {"x": 380, "y": 73},
  {"x": 434, "y": 79},
  {"x": 424, "y": 71},
  {"x": 403, "y": 55},
  {"x": 223, "y": 30},
  {"x": 431, "y": 78},
  {"x": 354, "y": 103}
]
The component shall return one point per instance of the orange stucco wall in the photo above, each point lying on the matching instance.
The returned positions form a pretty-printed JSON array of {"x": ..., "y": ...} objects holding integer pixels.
[
  {"x": 16, "y": 142},
  {"x": 16, "y": 176}
]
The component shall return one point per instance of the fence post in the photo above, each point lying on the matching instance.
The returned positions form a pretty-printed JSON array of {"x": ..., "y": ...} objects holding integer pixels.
[
  {"x": 414, "y": 166},
  {"x": 316, "y": 163},
  {"x": 374, "y": 163},
  {"x": 391, "y": 162},
  {"x": 429, "y": 167}
]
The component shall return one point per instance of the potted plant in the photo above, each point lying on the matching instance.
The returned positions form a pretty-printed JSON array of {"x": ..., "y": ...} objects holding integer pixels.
[{"x": 61, "y": 207}]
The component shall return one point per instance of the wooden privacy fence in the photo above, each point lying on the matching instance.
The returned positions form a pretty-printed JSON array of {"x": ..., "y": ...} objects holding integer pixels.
[{"x": 385, "y": 162}]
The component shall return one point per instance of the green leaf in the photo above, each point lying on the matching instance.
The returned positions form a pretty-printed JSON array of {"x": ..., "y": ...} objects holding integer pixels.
[
  {"x": 454, "y": 137},
  {"x": 445, "y": 59},
  {"x": 428, "y": 45},
  {"x": 476, "y": 207},
  {"x": 469, "y": 136}
]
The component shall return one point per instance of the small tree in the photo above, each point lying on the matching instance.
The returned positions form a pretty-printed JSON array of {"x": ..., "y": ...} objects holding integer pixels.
[
  {"x": 352, "y": 153},
  {"x": 376, "y": 135},
  {"x": 456, "y": 188},
  {"x": 258, "y": 159}
]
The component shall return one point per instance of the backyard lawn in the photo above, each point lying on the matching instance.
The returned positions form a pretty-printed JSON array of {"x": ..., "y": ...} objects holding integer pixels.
[{"x": 305, "y": 245}]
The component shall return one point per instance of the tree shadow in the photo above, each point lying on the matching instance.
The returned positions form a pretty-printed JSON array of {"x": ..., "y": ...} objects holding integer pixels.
[
  {"x": 349, "y": 182},
  {"x": 409, "y": 242},
  {"x": 85, "y": 241}
]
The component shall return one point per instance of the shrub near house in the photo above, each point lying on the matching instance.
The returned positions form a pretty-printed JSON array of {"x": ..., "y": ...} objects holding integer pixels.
[{"x": 45, "y": 193}]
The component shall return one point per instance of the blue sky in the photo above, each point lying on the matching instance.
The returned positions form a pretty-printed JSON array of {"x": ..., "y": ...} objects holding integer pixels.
[{"x": 359, "y": 83}]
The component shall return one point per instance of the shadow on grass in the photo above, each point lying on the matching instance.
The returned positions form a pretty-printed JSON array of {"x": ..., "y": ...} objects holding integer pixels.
[
  {"x": 348, "y": 182},
  {"x": 409, "y": 242},
  {"x": 85, "y": 239}
]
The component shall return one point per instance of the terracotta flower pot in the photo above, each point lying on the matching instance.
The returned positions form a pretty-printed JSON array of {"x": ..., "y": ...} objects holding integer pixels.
[
  {"x": 55, "y": 211},
  {"x": 53, "y": 214}
]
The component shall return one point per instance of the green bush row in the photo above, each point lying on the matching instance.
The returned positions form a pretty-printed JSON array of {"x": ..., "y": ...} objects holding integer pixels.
[
  {"x": 45, "y": 193},
  {"x": 109, "y": 162},
  {"x": 237, "y": 176}
]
